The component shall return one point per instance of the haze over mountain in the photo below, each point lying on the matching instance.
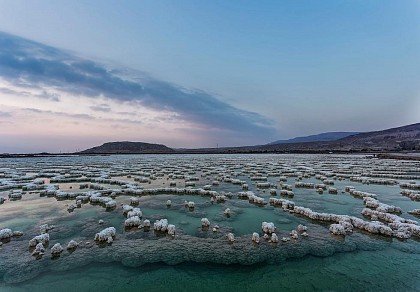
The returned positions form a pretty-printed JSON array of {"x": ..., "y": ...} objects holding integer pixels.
[{"x": 328, "y": 136}]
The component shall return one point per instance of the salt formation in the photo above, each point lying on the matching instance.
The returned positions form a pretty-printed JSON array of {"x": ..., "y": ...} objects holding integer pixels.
[
  {"x": 134, "y": 201},
  {"x": 17, "y": 233},
  {"x": 274, "y": 238},
  {"x": 337, "y": 229},
  {"x": 302, "y": 228},
  {"x": 413, "y": 195},
  {"x": 304, "y": 185},
  {"x": 171, "y": 229},
  {"x": 107, "y": 235},
  {"x": 168, "y": 203},
  {"x": 332, "y": 190},
  {"x": 227, "y": 212},
  {"x": 39, "y": 250},
  {"x": 71, "y": 208},
  {"x": 42, "y": 238},
  {"x": 15, "y": 195},
  {"x": 287, "y": 193},
  {"x": 285, "y": 204},
  {"x": 135, "y": 212},
  {"x": 5, "y": 233},
  {"x": 72, "y": 245},
  {"x": 375, "y": 204},
  {"x": 255, "y": 237},
  {"x": 268, "y": 227},
  {"x": 146, "y": 223},
  {"x": 205, "y": 222},
  {"x": 252, "y": 198},
  {"x": 57, "y": 249},
  {"x": 414, "y": 212},
  {"x": 132, "y": 221},
  {"x": 161, "y": 225},
  {"x": 230, "y": 237},
  {"x": 126, "y": 209}
]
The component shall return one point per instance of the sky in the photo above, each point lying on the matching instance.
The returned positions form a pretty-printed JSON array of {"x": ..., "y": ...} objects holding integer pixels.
[{"x": 76, "y": 74}]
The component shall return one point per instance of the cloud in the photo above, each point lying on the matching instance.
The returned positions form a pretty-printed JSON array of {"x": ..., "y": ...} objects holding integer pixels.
[
  {"x": 43, "y": 94},
  {"x": 101, "y": 108},
  {"x": 27, "y": 63},
  {"x": 80, "y": 116},
  {"x": 5, "y": 114}
]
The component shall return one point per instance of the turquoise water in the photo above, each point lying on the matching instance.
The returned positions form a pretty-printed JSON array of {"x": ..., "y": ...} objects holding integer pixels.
[
  {"x": 197, "y": 259},
  {"x": 357, "y": 271}
]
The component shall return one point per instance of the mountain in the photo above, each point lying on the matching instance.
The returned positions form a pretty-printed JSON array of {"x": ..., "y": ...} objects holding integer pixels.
[
  {"x": 126, "y": 147},
  {"x": 395, "y": 139},
  {"x": 405, "y": 138},
  {"x": 328, "y": 136}
]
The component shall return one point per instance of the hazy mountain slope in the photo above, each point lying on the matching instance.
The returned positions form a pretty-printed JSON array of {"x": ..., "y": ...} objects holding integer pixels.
[
  {"x": 395, "y": 139},
  {"x": 328, "y": 136}
]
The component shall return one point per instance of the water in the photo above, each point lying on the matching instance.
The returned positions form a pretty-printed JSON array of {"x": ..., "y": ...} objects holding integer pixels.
[{"x": 198, "y": 259}]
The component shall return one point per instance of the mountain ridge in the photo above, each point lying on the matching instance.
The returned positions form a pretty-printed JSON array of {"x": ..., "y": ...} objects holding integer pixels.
[
  {"x": 327, "y": 136},
  {"x": 404, "y": 138}
]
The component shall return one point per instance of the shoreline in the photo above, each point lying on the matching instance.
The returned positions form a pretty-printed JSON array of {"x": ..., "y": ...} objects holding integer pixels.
[{"x": 412, "y": 156}]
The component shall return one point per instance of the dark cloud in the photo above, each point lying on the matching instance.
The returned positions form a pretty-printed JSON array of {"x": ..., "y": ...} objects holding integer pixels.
[{"x": 40, "y": 65}]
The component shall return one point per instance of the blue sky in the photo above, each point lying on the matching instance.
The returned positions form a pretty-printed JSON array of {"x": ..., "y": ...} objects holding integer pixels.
[{"x": 242, "y": 72}]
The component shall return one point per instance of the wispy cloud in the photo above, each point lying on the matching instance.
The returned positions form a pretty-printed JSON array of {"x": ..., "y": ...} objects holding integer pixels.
[
  {"x": 43, "y": 94},
  {"x": 28, "y": 63},
  {"x": 101, "y": 108},
  {"x": 5, "y": 114}
]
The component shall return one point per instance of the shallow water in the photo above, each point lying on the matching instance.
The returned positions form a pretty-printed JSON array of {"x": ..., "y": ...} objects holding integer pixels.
[{"x": 199, "y": 258}]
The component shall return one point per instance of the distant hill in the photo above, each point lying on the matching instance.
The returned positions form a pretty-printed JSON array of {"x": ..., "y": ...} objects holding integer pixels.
[
  {"x": 126, "y": 147},
  {"x": 329, "y": 136}
]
